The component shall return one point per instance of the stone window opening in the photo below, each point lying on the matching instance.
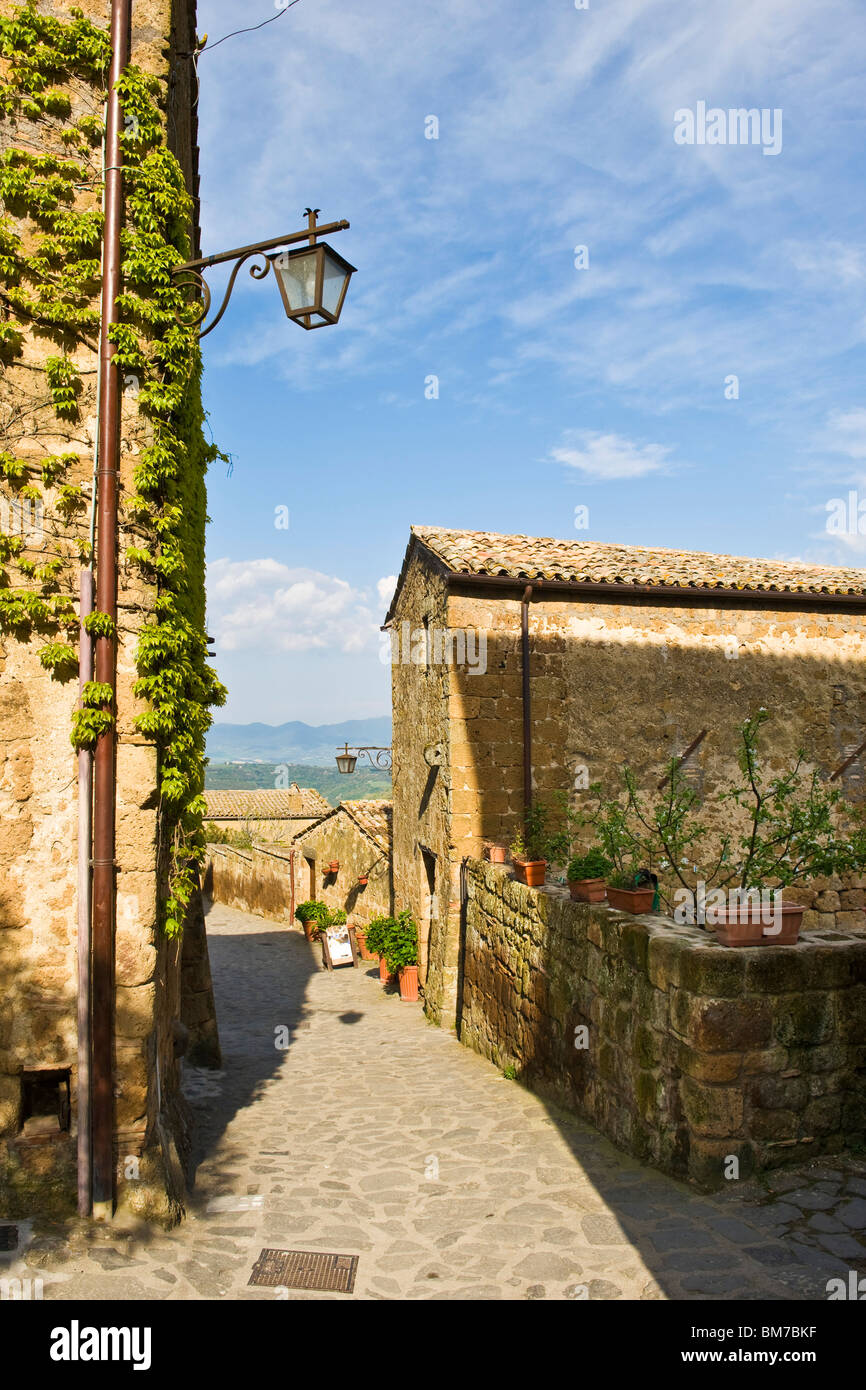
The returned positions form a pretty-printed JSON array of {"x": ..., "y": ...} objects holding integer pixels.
[{"x": 45, "y": 1108}]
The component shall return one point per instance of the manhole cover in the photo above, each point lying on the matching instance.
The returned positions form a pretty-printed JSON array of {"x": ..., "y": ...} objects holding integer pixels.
[
  {"x": 8, "y": 1237},
  {"x": 305, "y": 1269}
]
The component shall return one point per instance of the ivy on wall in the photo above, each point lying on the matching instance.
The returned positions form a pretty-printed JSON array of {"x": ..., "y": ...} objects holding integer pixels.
[{"x": 49, "y": 256}]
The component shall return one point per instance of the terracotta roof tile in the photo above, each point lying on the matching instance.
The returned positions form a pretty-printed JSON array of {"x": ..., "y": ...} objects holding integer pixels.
[
  {"x": 372, "y": 817},
  {"x": 265, "y": 804},
  {"x": 542, "y": 557}
]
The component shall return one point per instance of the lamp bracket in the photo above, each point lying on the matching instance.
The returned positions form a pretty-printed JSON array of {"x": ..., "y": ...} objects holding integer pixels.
[{"x": 191, "y": 273}]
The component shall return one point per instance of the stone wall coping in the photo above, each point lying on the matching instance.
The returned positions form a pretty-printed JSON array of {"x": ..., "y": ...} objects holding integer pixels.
[
  {"x": 228, "y": 851},
  {"x": 679, "y": 937}
]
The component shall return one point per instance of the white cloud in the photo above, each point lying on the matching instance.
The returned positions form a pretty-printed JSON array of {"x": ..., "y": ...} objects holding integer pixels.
[
  {"x": 846, "y": 433},
  {"x": 605, "y": 456},
  {"x": 385, "y": 588},
  {"x": 263, "y": 605}
]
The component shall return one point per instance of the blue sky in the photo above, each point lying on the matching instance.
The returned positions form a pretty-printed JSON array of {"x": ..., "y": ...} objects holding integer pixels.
[{"x": 559, "y": 386}]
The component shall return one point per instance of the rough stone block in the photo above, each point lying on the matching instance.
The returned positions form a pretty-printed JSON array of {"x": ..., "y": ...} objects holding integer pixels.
[{"x": 715, "y": 1111}]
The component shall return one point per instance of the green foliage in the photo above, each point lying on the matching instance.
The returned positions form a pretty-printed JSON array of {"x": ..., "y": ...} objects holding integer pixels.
[
  {"x": 98, "y": 624},
  {"x": 546, "y": 832},
  {"x": 395, "y": 938},
  {"x": 308, "y": 911},
  {"x": 593, "y": 864},
  {"x": 65, "y": 384},
  {"x": 88, "y": 725},
  {"x": 95, "y": 694},
  {"x": 53, "y": 287},
  {"x": 60, "y": 659}
]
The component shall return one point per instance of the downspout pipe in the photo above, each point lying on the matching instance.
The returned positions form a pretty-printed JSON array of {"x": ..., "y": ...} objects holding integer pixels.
[
  {"x": 104, "y": 766},
  {"x": 527, "y": 701},
  {"x": 85, "y": 816}
]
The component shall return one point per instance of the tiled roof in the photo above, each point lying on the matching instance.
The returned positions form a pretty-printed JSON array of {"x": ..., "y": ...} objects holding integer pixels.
[
  {"x": 542, "y": 557},
  {"x": 372, "y": 817},
  {"x": 263, "y": 804}
]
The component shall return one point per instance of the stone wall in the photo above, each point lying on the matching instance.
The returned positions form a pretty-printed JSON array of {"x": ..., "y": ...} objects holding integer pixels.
[
  {"x": 276, "y": 832},
  {"x": 421, "y": 796},
  {"x": 694, "y": 1052},
  {"x": 257, "y": 880},
  {"x": 38, "y": 769}
]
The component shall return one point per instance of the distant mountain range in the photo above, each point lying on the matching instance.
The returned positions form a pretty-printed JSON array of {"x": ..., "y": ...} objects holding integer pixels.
[{"x": 314, "y": 745}]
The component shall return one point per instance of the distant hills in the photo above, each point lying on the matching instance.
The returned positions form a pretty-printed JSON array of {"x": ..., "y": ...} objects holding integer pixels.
[
  {"x": 295, "y": 742},
  {"x": 333, "y": 785}
]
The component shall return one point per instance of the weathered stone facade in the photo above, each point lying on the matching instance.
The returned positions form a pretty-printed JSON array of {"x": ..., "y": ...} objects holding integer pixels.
[
  {"x": 357, "y": 836},
  {"x": 38, "y": 774},
  {"x": 616, "y": 678},
  {"x": 684, "y": 1052}
]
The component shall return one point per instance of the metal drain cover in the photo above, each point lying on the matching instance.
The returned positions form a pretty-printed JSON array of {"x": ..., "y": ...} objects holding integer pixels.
[
  {"x": 305, "y": 1269},
  {"x": 8, "y": 1237}
]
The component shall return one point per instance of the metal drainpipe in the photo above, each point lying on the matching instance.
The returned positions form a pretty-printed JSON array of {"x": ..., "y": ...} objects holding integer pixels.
[
  {"x": 104, "y": 769},
  {"x": 527, "y": 701},
  {"x": 85, "y": 811},
  {"x": 292, "y": 877}
]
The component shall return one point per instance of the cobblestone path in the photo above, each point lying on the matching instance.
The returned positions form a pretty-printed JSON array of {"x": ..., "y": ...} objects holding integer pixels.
[{"x": 375, "y": 1134}]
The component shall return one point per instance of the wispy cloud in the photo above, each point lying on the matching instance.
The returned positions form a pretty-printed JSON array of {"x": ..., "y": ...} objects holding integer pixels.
[{"x": 602, "y": 457}]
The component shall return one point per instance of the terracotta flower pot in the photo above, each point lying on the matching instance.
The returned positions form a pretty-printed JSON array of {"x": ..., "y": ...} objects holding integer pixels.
[
  {"x": 587, "y": 890},
  {"x": 308, "y": 930},
  {"x": 409, "y": 983},
  {"x": 634, "y": 900},
  {"x": 362, "y": 881},
  {"x": 384, "y": 973},
  {"x": 497, "y": 854},
  {"x": 532, "y": 872},
  {"x": 743, "y": 925},
  {"x": 333, "y": 866},
  {"x": 361, "y": 939}
]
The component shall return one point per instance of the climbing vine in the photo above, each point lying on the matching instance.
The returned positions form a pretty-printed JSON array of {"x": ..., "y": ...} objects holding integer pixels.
[{"x": 51, "y": 283}]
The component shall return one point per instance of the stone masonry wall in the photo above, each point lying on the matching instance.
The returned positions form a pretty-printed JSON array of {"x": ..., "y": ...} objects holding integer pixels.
[
  {"x": 421, "y": 796},
  {"x": 254, "y": 880},
  {"x": 615, "y": 683},
  {"x": 38, "y": 771},
  {"x": 695, "y": 1052}
]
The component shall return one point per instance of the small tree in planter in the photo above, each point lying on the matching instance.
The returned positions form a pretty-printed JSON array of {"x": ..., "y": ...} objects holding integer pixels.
[
  {"x": 792, "y": 834},
  {"x": 544, "y": 837},
  {"x": 401, "y": 954},
  {"x": 586, "y": 875},
  {"x": 630, "y": 887}
]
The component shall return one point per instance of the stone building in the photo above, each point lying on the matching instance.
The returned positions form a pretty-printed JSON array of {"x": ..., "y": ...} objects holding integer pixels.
[
  {"x": 356, "y": 835},
  {"x": 524, "y": 666},
  {"x": 38, "y": 772},
  {"x": 274, "y": 816}
]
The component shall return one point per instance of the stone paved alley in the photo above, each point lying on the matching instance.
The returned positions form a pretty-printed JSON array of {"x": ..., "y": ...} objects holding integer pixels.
[{"x": 377, "y": 1134}]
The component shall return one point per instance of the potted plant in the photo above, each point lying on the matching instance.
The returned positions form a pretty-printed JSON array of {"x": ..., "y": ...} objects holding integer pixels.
[
  {"x": 790, "y": 835},
  {"x": 497, "y": 854},
  {"x": 363, "y": 947},
  {"x": 631, "y": 890},
  {"x": 537, "y": 842},
  {"x": 378, "y": 934},
  {"x": 363, "y": 880},
  {"x": 586, "y": 875},
  {"x": 308, "y": 915},
  {"x": 401, "y": 954},
  {"x": 332, "y": 867}
]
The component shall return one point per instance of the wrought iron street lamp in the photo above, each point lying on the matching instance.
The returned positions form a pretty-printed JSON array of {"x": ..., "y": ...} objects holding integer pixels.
[
  {"x": 312, "y": 280},
  {"x": 347, "y": 759}
]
